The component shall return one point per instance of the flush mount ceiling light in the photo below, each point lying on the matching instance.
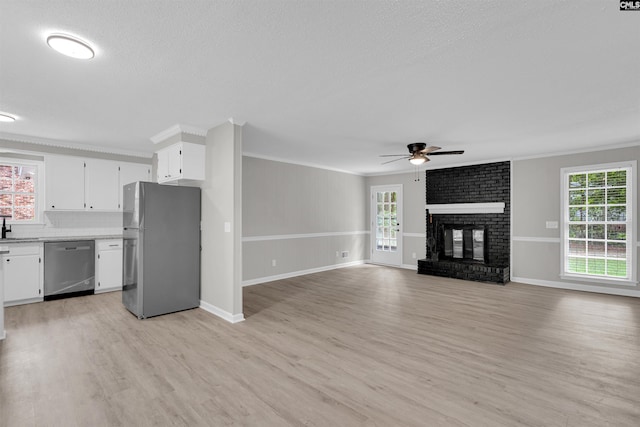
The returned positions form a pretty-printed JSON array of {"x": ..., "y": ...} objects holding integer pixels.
[
  {"x": 6, "y": 118},
  {"x": 70, "y": 46}
]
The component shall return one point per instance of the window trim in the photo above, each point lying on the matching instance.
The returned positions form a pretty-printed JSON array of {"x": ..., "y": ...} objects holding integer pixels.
[
  {"x": 38, "y": 217},
  {"x": 631, "y": 223}
]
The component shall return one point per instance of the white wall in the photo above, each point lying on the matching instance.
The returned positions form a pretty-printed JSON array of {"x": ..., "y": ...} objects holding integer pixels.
[
  {"x": 221, "y": 257},
  {"x": 299, "y": 216},
  {"x": 536, "y": 198}
]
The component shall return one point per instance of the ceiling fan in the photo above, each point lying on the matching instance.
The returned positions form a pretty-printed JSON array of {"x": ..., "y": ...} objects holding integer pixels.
[{"x": 419, "y": 152}]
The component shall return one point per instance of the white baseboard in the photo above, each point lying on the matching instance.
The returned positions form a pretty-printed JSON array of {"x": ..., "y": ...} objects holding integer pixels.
[
  {"x": 225, "y": 315},
  {"x": 577, "y": 287},
  {"x": 410, "y": 266},
  {"x": 23, "y": 301},
  {"x": 266, "y": 279}
]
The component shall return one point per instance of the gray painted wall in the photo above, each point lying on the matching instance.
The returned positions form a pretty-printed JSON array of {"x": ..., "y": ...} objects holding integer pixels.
[
  {"x": 221, "y": 257},
  {"x": 536, "y": 198},
  {"x": 284, "y": 201},
  {"x": 413, "y": 213}
]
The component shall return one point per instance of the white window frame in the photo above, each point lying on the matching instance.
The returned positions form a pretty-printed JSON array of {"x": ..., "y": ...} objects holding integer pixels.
[
  {"x": 631, "y": 223},
  {"x": 39, "y": 188}
]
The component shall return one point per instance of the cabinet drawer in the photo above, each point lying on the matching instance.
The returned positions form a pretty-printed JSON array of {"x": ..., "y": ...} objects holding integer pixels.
[
  {"x": 15, "y": 249},
  {"x": 111, "y": 244}
]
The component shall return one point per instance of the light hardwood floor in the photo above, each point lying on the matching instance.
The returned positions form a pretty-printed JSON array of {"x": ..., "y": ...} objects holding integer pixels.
[{"x": 364, "y": 345}]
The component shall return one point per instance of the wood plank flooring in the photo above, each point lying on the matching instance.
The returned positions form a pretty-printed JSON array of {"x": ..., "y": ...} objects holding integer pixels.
[{"x": 359, "y": 346}]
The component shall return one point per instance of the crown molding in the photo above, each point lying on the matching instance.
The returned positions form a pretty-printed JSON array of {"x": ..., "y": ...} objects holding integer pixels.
[
  {"x": 236, "y": 121},
  {"x": 72, "y": 145},
  {"x": 176, "y": 130}
]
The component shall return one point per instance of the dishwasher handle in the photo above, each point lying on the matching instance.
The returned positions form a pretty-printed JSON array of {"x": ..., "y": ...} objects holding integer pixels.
[{"x": 74, "y": 248}]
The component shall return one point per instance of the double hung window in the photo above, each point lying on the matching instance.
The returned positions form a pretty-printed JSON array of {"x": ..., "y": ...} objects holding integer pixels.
[{"x": 598, "y": 226}]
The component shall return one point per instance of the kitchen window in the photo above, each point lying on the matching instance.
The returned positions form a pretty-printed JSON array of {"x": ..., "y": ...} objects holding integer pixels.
[
  {"x": 598, "y": 223},
  {"x": 20, "y": 191}
]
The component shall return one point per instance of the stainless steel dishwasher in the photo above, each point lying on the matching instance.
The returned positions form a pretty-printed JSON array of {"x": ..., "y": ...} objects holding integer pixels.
[{"x": 69, "y": 269}]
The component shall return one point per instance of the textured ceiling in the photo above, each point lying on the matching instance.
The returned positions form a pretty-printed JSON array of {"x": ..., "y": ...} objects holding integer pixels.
[{"x": 329, "y": 83}]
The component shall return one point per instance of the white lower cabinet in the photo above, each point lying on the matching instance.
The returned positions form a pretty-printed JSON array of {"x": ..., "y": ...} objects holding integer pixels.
[
  {"x": 108, "y": 265},
  {"x": 22, "y": 271}
]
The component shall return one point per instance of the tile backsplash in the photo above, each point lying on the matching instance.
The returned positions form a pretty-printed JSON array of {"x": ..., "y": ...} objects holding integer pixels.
[{"x": 72, "y": 224}]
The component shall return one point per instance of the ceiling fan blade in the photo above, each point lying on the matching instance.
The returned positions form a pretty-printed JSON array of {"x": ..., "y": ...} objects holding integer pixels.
[
  {"x": 395, "y": 160},
  {"x": 392, "y": 155},
  {"x": 439, "y": 153},
  {"x": 429, "y": 149}
]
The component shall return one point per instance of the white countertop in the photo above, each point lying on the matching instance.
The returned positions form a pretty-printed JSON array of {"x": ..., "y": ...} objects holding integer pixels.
[{"x": 11, "y": 240}]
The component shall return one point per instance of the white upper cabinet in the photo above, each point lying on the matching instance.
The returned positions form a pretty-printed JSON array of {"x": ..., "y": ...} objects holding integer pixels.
[
  {"x": 64, "y": 183},
  {"x": 181, "y": 161},
  {"x": 132, "y": 172},
  {"x": 82, "y": 184},
  {"x": 101, "y": 185}
]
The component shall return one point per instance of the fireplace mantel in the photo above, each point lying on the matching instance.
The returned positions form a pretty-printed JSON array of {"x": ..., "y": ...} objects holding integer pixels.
[{"x": 465, "y": 208}]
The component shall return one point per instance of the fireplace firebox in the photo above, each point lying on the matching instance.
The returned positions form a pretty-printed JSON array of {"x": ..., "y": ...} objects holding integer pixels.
[{"x": 464, "y": 242}]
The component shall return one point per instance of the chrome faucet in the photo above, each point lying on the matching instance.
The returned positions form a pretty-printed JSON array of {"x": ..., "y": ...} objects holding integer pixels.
[{"x": 4, "y": 226}]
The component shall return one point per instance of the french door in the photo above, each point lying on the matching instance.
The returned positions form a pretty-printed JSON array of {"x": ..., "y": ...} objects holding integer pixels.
[{"x": 386, "y": 221}]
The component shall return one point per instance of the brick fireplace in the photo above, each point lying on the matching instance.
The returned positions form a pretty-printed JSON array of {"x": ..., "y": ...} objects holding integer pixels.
[{"x": 468, "y": 223}]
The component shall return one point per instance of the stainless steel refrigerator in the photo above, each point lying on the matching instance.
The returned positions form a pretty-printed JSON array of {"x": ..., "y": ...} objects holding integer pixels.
[{"x": 161, "y": 256}]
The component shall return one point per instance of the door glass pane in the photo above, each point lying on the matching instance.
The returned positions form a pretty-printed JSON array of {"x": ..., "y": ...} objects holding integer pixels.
[{"x": 386, "y": 220}]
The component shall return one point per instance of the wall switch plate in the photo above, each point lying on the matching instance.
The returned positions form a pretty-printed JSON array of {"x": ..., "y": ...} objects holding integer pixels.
[{"x": 552, "y": 224}]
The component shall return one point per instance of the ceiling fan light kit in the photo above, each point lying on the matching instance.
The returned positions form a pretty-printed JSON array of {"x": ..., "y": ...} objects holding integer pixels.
[{"x": 417, "y": 160}]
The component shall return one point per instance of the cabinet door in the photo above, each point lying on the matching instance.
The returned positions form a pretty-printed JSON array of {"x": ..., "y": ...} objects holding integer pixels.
[
  {"x": 175, "y": 161},
  {"x": 132, "y": 172},
  {"x": 162, "y": 174},
  {"x": 101, "y": 185},
  {"x": 21, "y": 277},
  {"x": 64, "y": 178},
  {"x": 109, "y": 270},
  {"x": 170, "y": 163}
]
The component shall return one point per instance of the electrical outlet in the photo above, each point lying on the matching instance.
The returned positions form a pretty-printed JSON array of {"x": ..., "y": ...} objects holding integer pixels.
[
  {"x": 345, "y": 254},
  {"x": 337, "y": 254},
  {"x": 413, "y": 255},
  {"x": 273, "y": 263}
]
